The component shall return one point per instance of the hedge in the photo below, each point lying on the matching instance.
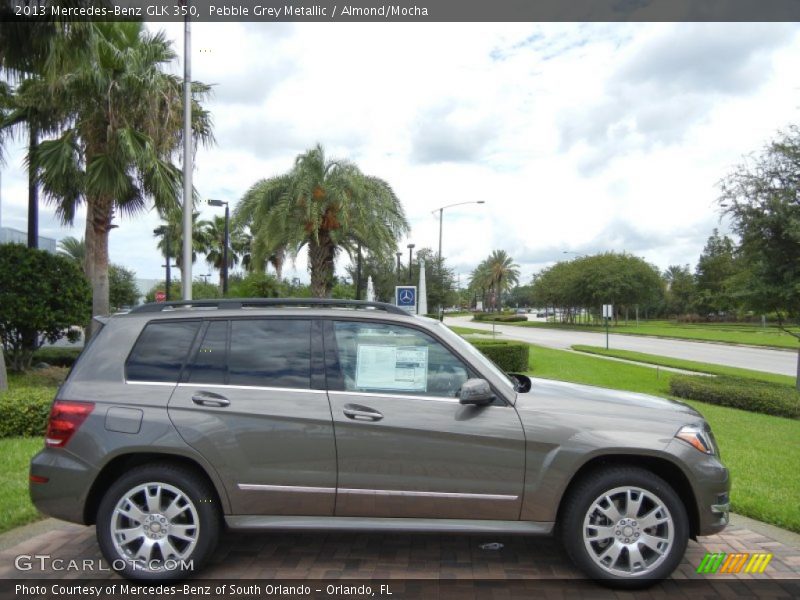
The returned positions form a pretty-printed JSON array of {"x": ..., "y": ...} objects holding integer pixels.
[
  {"x": 499, "y": 317},
  {"x": 56, "y": 357},
  {"x": 737, "y": 392},
  {"x": 25, "y": 411},
  {"x": 509, "y": 356}
]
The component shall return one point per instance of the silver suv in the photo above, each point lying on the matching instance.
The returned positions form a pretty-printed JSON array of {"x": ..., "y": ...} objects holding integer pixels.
[{"x": 181, "y": 418}]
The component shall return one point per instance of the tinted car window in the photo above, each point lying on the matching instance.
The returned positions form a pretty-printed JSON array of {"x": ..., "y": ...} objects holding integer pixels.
[
  {"x": 270, "y": 353},
  {"x": 209, "y": 364},
  {"x": 376, "y": 357},
  {"x": 161, "y": 351}
]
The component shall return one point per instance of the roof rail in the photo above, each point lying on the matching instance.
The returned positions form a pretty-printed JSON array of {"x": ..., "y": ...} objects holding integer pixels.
[{"x": 236, "y": 303}]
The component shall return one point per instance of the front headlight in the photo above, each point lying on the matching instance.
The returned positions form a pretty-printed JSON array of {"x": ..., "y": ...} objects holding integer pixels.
[{"x": 698, "y": 437}]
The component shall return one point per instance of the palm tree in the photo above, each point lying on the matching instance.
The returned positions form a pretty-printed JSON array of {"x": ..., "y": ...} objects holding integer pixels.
[
  {"x": 503, "y": 273},
  {"x": 28, "y": 109},
  {"x": 115, "y": 153},
  {"x": 215, "y": 236},
  {"x": 74, "y": 248},
  {"x": 480, "y": 281},
  {"x": 201, "y": 241},
  {"x": 327, "y": 205}
]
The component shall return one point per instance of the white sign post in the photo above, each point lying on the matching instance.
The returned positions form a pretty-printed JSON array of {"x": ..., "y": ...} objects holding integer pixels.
[{"x": 608, "y": 312}]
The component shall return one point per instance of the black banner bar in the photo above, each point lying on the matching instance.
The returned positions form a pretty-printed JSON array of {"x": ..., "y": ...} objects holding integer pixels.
[{"x": 412, "y": 11}]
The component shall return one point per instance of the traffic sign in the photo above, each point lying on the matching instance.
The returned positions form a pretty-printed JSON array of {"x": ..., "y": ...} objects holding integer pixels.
[
  {"x": 405, "y": 296},
  {"x": 161, "y": 296}
]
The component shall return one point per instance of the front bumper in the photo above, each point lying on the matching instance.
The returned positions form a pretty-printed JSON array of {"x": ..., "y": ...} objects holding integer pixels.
[{"x": 711, "y": 485}]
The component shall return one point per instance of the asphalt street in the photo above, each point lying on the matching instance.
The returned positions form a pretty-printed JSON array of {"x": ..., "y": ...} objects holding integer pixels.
[{"x": 746, "y": 357}]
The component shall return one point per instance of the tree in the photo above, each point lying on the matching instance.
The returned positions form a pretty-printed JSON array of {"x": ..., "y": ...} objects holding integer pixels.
[
  {"x": 122, "y": 287},
  {"x": 3, "y": 374},
  {"x": 121, "y": 281},
  {"x": 503, "y": 273},
  {"x": 115, "y": 153},
  {"x": 215, "y": 238},
  {"x": 588, "y": 282},
  {"x": 762, "y": 198},
  {"x": 681, "y": 289},
  {"x": 716, "y": 268},
  {"x": 201, "y": 240},
  {"x": 73, "y": 248},
  {"x": 25, "y": 58},
  {"x": 326, "y": 205},
  {"x": 41, "y": 296}
]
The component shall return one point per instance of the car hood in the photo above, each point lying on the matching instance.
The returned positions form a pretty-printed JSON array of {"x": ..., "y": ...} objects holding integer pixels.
[{"x": 585, "y": 400}]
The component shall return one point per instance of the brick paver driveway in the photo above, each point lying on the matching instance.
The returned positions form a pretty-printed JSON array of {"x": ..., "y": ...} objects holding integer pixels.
[{"x": 451, "y": 560}]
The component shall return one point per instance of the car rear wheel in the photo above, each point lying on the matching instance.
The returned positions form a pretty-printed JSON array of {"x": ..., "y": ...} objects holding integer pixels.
[
  {"x": 625, "y": 526},
  {"x": 158, "y": 522}
]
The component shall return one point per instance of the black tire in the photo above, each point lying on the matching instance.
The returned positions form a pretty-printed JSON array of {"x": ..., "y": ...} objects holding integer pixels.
[
  {"x": 587, "y": 547},
  {"x": 188, "y": 522}
]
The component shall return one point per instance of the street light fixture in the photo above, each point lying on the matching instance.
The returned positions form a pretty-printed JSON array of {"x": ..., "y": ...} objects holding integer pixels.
[
  {"x": 441, "y": 220},
  {"x": 212, "y": 202},
  {"x": 399, "y": 256},
  {"x": 205, "y": 276}
]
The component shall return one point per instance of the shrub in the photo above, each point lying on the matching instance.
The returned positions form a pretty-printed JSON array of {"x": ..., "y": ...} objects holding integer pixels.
[
  {"x": 509, "y": 356},
  {"x": 25, "y": 411},
  {"x": 57, "y": 357},
  {"x": 736, "y": 392},
  {"x": 498, "y": 317},
  {"x": 41, "y": 296}
]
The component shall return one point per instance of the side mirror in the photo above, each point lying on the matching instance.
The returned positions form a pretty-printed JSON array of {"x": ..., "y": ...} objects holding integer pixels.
[
  {"x": 475, "y": 391},
  {"x": 524, "y": 382}
]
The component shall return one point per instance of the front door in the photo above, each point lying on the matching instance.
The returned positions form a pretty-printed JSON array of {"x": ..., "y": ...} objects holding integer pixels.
[
  {"x": 406, "y": 447},
  {"x": 252, "y": 402}
]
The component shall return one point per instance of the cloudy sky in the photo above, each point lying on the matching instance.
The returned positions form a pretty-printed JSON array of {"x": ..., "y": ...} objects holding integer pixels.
[{"x": 581, "y": 138}]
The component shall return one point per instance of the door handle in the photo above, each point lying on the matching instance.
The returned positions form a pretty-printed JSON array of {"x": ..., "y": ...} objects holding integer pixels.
[
  {"x": 210, "y": 399},
  {"x": 361, "y": 413}
]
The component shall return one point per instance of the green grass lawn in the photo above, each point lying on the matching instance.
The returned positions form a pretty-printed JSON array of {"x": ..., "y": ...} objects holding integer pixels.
[
  {"x": 469, "y": 331},
  {"x": 16, "y": 508},
  {"x": 686, "y": 365},
  {"x": 731, "y": 333},
  {"x": 762, "y": 452}
]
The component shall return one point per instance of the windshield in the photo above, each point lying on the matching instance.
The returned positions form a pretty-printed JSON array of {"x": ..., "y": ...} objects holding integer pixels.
[{"x": 463, "y": 345}]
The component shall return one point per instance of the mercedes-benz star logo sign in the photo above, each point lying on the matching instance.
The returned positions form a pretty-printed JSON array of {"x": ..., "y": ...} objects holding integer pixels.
[{"x": 406, "y": 297}]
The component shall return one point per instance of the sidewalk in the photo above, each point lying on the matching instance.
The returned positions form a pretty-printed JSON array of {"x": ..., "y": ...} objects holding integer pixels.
[{"x": 331, "y": 556}]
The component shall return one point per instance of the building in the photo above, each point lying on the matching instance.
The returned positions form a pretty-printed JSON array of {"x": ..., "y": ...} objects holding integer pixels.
[{"x": 15, "y": 236}]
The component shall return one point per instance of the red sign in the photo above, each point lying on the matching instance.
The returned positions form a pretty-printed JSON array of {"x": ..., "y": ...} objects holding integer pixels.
[{"x": 161, "y": 297}]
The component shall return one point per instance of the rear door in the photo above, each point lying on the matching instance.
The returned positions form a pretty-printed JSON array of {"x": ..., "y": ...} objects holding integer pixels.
[
  {"x": 406, "y": 446},
  {"x": 252, "y": 402}
]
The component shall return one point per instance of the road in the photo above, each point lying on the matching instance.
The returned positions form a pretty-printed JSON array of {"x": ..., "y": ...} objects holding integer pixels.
[{"x": 746, "y": 357}]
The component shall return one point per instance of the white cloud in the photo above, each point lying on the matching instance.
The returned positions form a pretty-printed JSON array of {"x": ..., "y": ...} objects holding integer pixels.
[{"x": 583, "y": 137}]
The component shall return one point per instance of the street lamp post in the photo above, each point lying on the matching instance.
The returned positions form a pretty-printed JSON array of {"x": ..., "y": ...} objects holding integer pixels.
[
  {"x": 164, "y": 230},
  {"x": 410, "y": 276},
  {"x": 212, "y": 202},
  {"x": 399, "y": 256},
  {"x": 441, "y": 220}
]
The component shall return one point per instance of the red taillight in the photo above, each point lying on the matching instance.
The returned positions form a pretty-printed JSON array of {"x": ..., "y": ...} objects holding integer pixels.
[
  {"x": 38, "y": 479},
  {"x": 65, "y": 418}
]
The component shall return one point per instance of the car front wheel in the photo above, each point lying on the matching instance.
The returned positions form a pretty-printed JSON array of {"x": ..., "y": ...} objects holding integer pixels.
[
  {"x": 158, "y": 522},
  {"x": 625, "y": 526}
]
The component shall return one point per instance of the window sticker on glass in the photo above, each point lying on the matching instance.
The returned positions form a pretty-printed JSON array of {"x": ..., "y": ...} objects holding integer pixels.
[{"x": 395, "y": 368}]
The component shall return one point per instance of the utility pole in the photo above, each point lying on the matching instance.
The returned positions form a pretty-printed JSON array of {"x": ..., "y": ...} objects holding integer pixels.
[{"x": 188, "y": 200}]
